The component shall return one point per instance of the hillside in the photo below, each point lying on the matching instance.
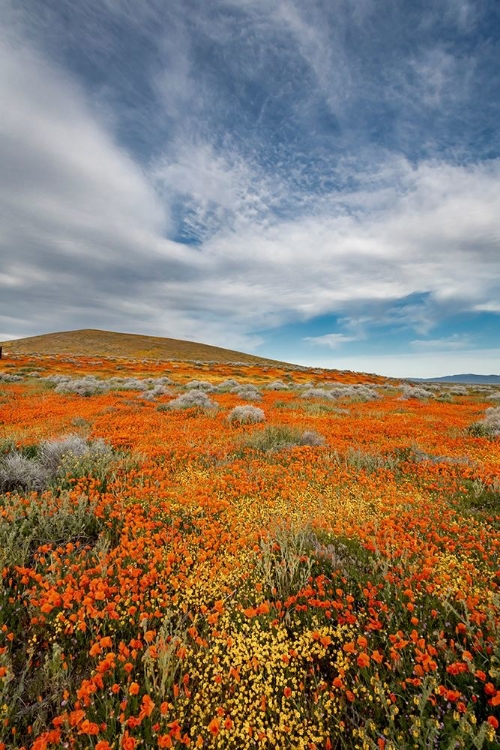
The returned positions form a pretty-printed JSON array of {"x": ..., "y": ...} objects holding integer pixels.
[{"x": 89, "y": 342}]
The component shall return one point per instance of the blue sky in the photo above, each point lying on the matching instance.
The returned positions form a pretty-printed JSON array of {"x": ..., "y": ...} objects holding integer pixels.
[{"x": 317, "y": 182}]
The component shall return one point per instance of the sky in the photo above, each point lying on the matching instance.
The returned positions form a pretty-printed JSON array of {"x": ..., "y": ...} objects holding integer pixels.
[{"x": 316, "y": 182}]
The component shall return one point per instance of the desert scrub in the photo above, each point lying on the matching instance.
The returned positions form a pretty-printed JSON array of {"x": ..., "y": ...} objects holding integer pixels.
[
  {"x": 246, "y": 415},
  {"x": 54, "y": 462},
  {"x": 227, "y": 385},
  {"x": 422, "y": 394},
  {"x": 10, "y": 377},
  {"x": 357, "y": 392},
  {"x": 277, "y": 385},
  {"x": 87, "y": 386},
  {"x": 17, "y": 472},
  {"x": 194, "y": 399},
  {"x": 155, "y": 393},
  {"x": 28, "y": 523},
  {"x": 489, "y": 426},
  {"x": 319, "y": 393},
  {"x": 282, "y": 437},
  {"x": 90, "y": 385},
  {"x": 200, "y": 385},
  {"x": 247, "y": 392}
]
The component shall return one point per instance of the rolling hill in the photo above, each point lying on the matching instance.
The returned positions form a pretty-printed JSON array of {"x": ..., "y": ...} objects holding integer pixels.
[{"x": 93, "y": 342}]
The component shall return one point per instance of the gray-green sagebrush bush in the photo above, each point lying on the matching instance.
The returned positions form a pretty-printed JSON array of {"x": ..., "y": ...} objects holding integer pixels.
[
  {"x": 52, "y": 462},
  {"x": 246, "y": 414},
  {"x": 489, "y": 426}
]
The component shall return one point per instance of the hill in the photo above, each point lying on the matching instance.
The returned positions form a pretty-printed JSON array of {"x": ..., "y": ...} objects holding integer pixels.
[{"x": 95, "y": 343}]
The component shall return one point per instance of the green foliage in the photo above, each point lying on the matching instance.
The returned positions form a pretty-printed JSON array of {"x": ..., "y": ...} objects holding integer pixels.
[
  {"x": 281, "y": 437},
  {"x": 25, "y": 525}
]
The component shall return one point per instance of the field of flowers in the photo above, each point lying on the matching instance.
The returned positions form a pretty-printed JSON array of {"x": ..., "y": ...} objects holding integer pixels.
[{"x": 230, "y": 556}]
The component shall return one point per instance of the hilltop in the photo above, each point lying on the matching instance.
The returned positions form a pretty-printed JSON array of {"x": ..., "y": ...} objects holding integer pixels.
[{"x": 93, "y": 342}]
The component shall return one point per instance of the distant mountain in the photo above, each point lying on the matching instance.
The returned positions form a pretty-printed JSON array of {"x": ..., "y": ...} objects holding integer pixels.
[{"x": 468, "y": 378}]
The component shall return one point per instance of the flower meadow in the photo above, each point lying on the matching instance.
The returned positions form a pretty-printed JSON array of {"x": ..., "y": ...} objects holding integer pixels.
[{"x": 238, "y": 556}]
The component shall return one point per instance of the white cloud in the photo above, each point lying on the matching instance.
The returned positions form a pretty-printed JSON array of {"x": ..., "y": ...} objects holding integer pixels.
[
  {"x": 493, "y": 307},
  {"x": 456, "y": 341}
]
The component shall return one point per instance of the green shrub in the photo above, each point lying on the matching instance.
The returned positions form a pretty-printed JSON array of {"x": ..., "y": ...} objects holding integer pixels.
[
  {"x": 281, "y": 437},
  {"x": 25, "y": 525}
]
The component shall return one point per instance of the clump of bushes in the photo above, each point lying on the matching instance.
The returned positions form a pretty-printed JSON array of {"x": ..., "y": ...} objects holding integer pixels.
[
  {"x": 155, "y": 392},
  {"x": 199, "y": 385},
  {"x": 356, "y": 392},
  {"x": 409, "y": 391},
  {"x": 359, "y": 392},
  {"x": 318, "y": 393},
  {"x": 138, "y": 384},
  {"x": 92, "y": 386},
  {"x": 52, "y": 461},
  {"x": 246, "y": 415},
  {"x": 87, "y": 386}
]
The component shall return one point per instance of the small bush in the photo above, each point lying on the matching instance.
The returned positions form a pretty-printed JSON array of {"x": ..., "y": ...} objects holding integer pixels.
[
  {"x": 277, "y": 385},
  {"x": 247, "y": 392},
  {"x": 246, "y": 415},
  {"x": 360, "y": 392},
  {"x": 458, "y": 390},
  {"x": 282, "y": 437},
  {"x": 155, "y": 393},
  {"x": 489, "y": 426},
  {"x": 422, "y": 394},
  {"x": 318, "y": 393},
  {"x": 311, "y": 438},
  {"x": 492, "y": 418},
  {"x": 228, "y": 384},
  {"x": 6, "y": 377},
  {"x": 17, "y": 472},
  {"x": 194, "y": 399},
  {"x": 355, "y": 391},
  {"x": 199, "y": 385},
  {"x": 46, "y": 519}
]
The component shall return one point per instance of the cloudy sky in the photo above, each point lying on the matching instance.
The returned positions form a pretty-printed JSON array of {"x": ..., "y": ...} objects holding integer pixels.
[{"x": 311, "y": 181}]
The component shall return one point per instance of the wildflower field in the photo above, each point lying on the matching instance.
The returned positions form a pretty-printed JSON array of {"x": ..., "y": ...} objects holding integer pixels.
[{"x": 237, "y": 556}]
